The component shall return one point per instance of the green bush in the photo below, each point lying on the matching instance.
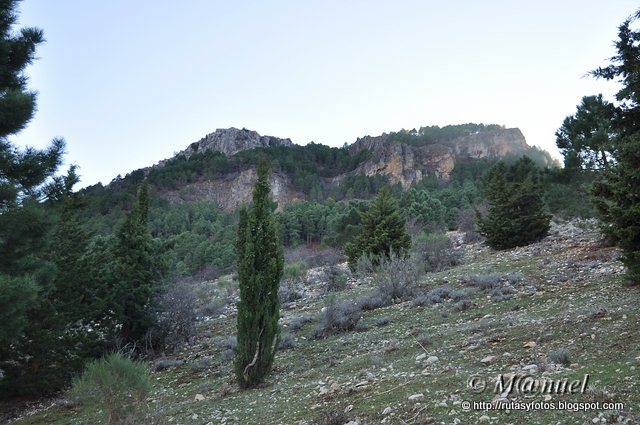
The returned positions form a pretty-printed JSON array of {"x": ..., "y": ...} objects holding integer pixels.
[
  {"x": 516, "y": 215},
  {"x": 296, "y": 270},
  {"x": 383, "y": 231},
  {"x": 114, "y": 386},
  {"x": 436, "y": 251}
]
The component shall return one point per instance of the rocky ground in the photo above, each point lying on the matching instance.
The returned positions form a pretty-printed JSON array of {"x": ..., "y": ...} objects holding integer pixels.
[{"x": 553, "y": 310}]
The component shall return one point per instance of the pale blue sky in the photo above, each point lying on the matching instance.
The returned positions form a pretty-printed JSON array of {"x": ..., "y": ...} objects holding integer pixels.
[{"x": 128, "y": 83}]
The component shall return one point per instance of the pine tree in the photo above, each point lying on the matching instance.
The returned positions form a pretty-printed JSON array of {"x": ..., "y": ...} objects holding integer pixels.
[
  {"x": 617, "y": 193},
  {"x": 516, "y": 214},
  {"x": 618, "y": 203},
  {"x": 585, "y": 139},
  {"x": 22, "y": 173},
  {"x": 383, "y": 231},
  {"x": 25, "y": 274},
  {"x": 138, "y": 270},
  {"x": 260, "y": 266}
]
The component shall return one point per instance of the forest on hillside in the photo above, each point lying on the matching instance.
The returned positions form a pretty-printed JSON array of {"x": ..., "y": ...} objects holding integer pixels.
[{"x": 89, "y": 272}]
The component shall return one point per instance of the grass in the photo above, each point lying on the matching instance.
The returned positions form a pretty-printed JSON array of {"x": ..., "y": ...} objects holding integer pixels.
[{"x": 355, "y": 369}]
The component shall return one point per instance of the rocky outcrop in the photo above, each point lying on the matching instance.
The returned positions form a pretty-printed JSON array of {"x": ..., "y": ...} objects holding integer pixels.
[
  {"x": 406, "y": 164},
  {"x": 230, "y": 141},
  {"x": 402, "y": 163},
  {"x": 236, "y": 189}
]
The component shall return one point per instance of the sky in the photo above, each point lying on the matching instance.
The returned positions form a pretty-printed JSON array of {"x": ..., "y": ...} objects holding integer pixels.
[{"x": 129, "y": 83}]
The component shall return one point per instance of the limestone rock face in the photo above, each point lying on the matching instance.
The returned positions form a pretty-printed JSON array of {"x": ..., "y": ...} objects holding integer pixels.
[
  {"x": 405, "y": 164},
  {"x": 230, "y": 141},
  {"x": 236, "y": 189},
  {"x": 402, "y": 163}
]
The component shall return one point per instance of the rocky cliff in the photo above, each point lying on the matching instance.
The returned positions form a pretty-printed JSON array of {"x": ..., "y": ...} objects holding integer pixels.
[
  {"x": 406, "y": 163},
  {"x": 230, "y": 141},
  {"x": 400, "y": 162},
  {"x": 235, "y": 189}
]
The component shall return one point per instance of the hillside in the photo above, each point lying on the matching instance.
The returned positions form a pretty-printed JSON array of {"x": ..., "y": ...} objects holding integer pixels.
[
  {"x": 221, "y": 166},
  {"x": 195, "y": 194},
  {"x": 554, "y": 309}
]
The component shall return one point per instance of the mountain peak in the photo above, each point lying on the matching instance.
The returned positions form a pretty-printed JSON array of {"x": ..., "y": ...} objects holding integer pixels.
[{"x": 230, "y": 141}]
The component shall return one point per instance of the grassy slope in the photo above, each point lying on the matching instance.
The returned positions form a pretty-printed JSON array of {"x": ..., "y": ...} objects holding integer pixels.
[{"x": 566, "y": 281}]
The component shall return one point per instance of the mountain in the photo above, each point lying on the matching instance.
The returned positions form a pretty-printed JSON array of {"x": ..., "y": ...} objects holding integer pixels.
[
  {"x": 221, "y": 166},
  {"x": 230, "y": 141},
  {"x": 407, "y": 163}
]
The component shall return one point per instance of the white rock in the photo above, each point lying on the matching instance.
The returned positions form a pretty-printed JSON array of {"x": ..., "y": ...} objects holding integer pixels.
[
  {"x": 386, "y": 411},
  {"x": 199, "y": 397},
  {"x": 416, "y": 397},
  {"x": 421, "y": 357},
  {"x": 484, "y": 418},
  {"x": 488, "y": 359},
  {"x": 348, "y": 409},
  {"x": 432, "y": 360}
]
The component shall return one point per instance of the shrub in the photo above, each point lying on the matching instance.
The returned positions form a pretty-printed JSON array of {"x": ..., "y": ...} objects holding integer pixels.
[
  {"x": 287, "y": 342},
  {"x": 176, "y": 317},
  {"x": 212, "y": 308},
  {"x": 365, "y": 265},
  {"x": 421, "y": 301},
  {"x": 338, "y": 316},
  {"x": 514, "y": 278},
  {"x": 485, "y": 282},
  {"x": 391, "y": 346},
  {"x": 227, "y": 355},
  {"x": 467, "y": 223},
  {"x": 373, "y": 300},
  {"x": 383, "y": 321},
  {"x": 336, "y": 279},
  {"x": 436, "y": 252},
  {"x": 361, "y": 326},
  {"x": 397, "y": 277},
  {"x": 114, "y": 386},
  {"x": 463, "y": 305},
  {"x": 298, "y": 322},
  {"x": 231, "y": 343},
  {"x": 501, "y": 293},
  {"x": 424, "y": 340},
  {"x": 462, "y": 294},
  {"x": 287, "y": 292},
  {"x": 333, "y": 417},
  {"x": 295, "y": 271},
  {"x": 439, "y": 294},
  {"x": 560, "y": 357}
]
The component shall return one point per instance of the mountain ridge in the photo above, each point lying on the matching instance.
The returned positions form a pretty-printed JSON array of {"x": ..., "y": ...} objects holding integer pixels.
[{"x": 402, "y": 158}]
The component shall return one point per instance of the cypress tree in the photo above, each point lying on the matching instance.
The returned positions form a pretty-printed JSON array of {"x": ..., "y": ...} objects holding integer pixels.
[
  {"x": 516, "y": 214},
  {"x": 260, "y": 266},
  {"x": 383, "y": 231}
]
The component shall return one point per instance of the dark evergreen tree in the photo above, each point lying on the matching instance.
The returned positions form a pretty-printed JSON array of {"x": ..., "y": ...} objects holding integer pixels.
[
  {"x": 586, "y": 138},
  {"x": 617, "y": 194},
  {"x": 383, "y": 231},
  {"x": 139, "y": 267},
  {"x": 25, "y": 274},
  {"x": 260, "y": 267},
  {"x": 516, "y": 214}
]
